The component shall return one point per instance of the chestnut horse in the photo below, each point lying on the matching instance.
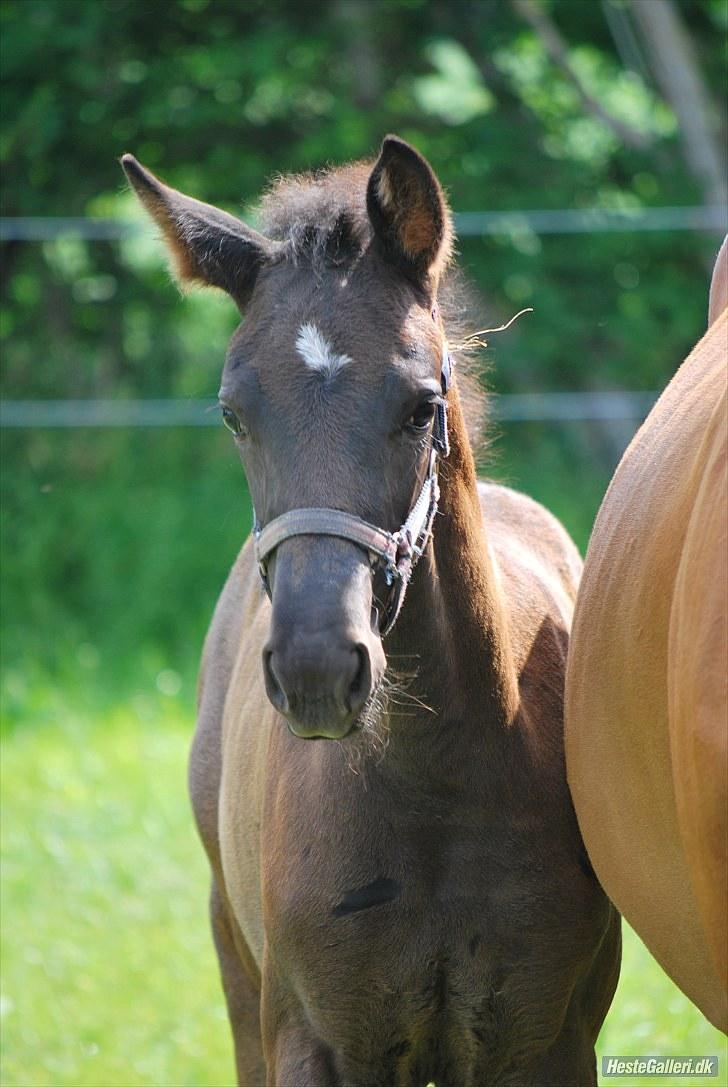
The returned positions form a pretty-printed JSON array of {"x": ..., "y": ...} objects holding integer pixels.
[
  {"x": 646, "y": 707},
  {"x": 399, "y": 890}
]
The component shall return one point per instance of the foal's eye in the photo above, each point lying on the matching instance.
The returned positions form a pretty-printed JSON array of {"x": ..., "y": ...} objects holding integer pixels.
[
  {"x": 421, "y": 417},
  {"x": 232, "y": 422}
]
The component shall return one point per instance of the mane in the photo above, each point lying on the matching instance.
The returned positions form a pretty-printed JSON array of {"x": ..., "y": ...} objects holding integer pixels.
[{"x": 321, "y": 217}]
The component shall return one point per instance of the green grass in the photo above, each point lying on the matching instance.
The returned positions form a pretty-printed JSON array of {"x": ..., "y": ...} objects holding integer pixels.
[{"x": 108, "y": 972}]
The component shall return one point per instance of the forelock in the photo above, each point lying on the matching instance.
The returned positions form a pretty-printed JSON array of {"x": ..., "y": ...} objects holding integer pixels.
[{"x": 321, "y": 217}]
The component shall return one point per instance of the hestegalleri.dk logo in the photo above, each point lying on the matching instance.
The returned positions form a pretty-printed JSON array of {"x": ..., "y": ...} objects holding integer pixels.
[{"x": 659, "y": 1066}]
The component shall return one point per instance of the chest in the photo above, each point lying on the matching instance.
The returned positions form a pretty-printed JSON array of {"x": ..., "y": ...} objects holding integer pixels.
[{"x": 450, "y": 946}]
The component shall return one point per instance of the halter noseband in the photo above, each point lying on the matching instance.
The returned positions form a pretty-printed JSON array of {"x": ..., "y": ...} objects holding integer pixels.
[{"x": 395, "y": 553}]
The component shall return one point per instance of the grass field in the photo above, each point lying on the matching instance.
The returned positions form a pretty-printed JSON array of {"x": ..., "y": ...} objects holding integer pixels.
[{"x": 108, "y": 972}]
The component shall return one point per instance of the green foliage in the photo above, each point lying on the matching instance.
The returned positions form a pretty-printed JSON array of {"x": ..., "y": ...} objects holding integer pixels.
[
  {"x": 455, "y": 92},
  {"x": 219, "y": 97},
  {"x": 118, "y": 544},
  {"x": 110, "y": 537}
]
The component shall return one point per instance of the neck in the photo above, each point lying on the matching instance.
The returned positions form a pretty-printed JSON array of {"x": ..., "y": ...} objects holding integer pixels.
[{"x": 453, "y": 630}]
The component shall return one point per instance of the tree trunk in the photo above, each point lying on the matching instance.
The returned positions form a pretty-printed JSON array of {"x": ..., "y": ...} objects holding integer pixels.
[
  {"x": 678, "y": 75},
  {"x": 543, "y": 25},
  {"x": 362, "y": 53}
]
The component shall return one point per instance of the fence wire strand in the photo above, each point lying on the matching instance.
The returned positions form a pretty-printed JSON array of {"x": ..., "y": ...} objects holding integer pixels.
[{"x": 506, "y": 408}]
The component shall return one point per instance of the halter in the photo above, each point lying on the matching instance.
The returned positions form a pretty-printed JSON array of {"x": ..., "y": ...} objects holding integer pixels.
[{"x": 394, "y": 553}]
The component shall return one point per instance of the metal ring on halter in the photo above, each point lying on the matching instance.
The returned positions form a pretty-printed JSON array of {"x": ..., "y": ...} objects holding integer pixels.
[{"x": 396, "y": 554}]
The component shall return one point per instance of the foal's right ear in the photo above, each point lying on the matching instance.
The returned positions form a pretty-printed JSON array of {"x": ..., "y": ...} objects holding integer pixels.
[
  {"x": 409, "y": 213},
  {"x": 206, "y": 244}
]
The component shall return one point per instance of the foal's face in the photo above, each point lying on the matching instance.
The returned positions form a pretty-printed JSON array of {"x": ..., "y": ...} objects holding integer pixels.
[
  {"x": 331, "y": 398},
  {"x": 330, "y": 388}
]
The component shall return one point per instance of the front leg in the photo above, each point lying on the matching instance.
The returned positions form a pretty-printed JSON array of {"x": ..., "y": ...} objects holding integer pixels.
[
  {"x": 294, "y": 1056},
  {"x": 241, "y": 993},
  {"x": 300, "y": 1060}
]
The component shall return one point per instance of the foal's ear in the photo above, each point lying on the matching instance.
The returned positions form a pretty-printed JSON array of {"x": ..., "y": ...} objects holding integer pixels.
[
  {"x": 408, "y": 211},
  {"x": 206, "y": 244}
]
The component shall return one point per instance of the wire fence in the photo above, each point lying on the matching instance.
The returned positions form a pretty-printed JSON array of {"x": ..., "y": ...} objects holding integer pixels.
[
  {"x": 467, "y": 223},
  {"x": 514, "y": 407},
  {"x": 506, "y": 408}
]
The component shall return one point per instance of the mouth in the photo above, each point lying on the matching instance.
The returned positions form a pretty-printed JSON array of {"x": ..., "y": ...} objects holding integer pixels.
[
  {"x": 319, "y": 719},
  {"x": 369, "y": 724},
  {"x": 320, "y": 731},
  {"x": 367, "y": 735}
]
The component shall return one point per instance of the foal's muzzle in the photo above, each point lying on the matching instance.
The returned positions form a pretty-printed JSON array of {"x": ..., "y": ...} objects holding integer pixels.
[
  {"x": 319, "y": 688},
  {"x": 323, "y": 659}
]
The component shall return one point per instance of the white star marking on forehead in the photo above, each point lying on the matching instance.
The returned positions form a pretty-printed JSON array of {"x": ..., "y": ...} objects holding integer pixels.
[{"x": 317, "y": 352}]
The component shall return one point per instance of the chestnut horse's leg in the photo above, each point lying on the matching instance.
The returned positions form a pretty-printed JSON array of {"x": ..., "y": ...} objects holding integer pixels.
[{"x": 241, "y": 994}]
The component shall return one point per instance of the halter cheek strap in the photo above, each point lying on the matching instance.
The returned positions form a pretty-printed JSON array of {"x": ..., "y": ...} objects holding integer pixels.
[{"x": 395, "y": 553}]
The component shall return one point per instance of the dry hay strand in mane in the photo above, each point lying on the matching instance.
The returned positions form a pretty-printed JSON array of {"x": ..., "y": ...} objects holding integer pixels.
[
  {"x": 457, "y": 306},
  {"x": 474, "y": 340}
]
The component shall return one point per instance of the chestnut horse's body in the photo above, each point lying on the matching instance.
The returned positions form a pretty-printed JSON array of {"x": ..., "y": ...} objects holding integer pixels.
[
  {"x": 422, "y": 909},
  {"x": 646, "y": 707}
]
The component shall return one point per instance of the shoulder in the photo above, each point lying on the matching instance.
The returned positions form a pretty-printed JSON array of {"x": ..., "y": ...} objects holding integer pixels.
[
  {"x": 239, "y": 602},
  {"x": 514, "y": 520}
]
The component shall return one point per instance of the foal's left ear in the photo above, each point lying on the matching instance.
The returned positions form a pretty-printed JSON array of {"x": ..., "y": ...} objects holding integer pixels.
[
  {"x": 206, "y": 244},
  {"x": 409, "y": 213}
]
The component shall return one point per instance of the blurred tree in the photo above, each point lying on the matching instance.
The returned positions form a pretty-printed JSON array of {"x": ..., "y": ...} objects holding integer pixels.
[
  {"x": 702, "y": 127},
  {"x": 537, "y": 16},
  {"x": 525, "y": 105},
  {"x": 522, "y": 105}
]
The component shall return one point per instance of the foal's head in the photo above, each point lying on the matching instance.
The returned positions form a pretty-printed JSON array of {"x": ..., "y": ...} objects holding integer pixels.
[{"x": 330, "y": 388}]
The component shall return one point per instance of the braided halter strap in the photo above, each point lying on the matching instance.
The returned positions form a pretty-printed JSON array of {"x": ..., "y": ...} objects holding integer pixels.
[{"x": 395, "y": 553}]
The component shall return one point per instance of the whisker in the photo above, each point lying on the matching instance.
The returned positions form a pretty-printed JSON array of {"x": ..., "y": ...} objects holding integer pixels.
[
  {"x": 413, "y": 702},
  {"x": 390, "y": 701}
]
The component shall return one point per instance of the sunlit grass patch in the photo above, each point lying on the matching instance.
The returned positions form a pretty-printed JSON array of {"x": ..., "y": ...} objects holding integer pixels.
[
  {"x": 650, "y": 1016},
  {"x": 108, "y": 974}
]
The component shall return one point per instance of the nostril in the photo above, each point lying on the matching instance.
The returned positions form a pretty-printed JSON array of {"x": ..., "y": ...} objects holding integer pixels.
[
  {"x": 273, "y": 687},
  {"x": 361, "y": 685}
]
